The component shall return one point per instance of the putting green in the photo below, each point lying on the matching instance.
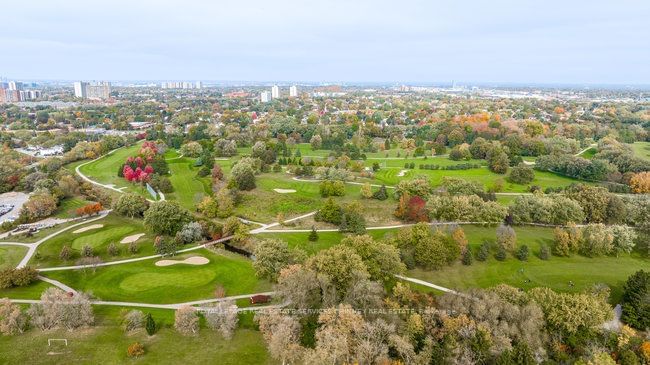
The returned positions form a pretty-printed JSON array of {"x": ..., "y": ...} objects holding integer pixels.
[
  {"x": 151, "y": 280},
  {"x": 99, "y": 238}
]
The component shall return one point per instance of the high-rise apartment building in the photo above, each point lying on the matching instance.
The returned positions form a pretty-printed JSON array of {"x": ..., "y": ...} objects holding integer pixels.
[
  {"x": 293, "y": 91},
  {"x": 265, "y": 97},
  {"x": 275, "y": 92},
  {"x": 93, "y": 90}
]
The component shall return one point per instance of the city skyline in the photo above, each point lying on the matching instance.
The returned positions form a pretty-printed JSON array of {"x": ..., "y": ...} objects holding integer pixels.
[{"x": 412, "y": 42}]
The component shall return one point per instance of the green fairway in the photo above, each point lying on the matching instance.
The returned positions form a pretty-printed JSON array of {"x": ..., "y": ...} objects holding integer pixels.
[
  {"x": 555, "y": 273},
  {"x": 188, "y": 188},
  {"x": 67, "y": 207},
  {"x": 10, "y": 256},
  {"x": 32, "y": 291},
  {"x": 114, "y": 229},
  {"x": 104, "y": 170},
  {"x": 641, "y": 149},
  {"x": 144, "y": 282},
  {"x": 325, "y": 239},
  {"x": 107, "y": 343},
  {"x": 389, "y": 176}
]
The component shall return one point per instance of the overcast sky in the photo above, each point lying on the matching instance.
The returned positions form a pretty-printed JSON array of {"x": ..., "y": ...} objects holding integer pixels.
[{"x": 526, "y": 41}]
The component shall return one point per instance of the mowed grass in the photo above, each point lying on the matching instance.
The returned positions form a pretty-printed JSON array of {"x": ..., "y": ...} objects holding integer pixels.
[
  {"x": 67, "y": 208},
  {"x": 641, "y": 149},
  {"x": 32, "y": 291},
  {"x": 189, "y": 189},
  {"x": 114, "y": 229},
  {"x": 10, "y": 256},
  {"x": 325, "y": 239},
  {"x": 146, "y": 283},
  {"x": 389, "y": 176},
  {"x": 555, "y": 273},
  {"x": 104, "y": 170},
  {"x": 106, "y": 343}
]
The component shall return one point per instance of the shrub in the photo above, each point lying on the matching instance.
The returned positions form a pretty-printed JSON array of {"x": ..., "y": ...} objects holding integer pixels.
[
  {"x": 149, "y": 324},
  {"x": 483, "y": 251},
  {"x": 135, "y": 350},
  {"x": 467, "y": 257},
  {"x": 380, "y": 194},
  {"x": 332, "y": 188},
  {"x": 133, "y": 320},
  {"x": 544, "y": 252},
  {"x": 500, "y": 254},
  {"x": 313, "y": 235},
  {"x": 66, "y": 253},
  {"x": 522, "y": 253},
  {"x": 521, "y": 174}
]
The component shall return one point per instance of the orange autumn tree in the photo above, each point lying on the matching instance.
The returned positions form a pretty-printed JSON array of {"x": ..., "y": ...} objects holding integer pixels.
[
  {"x": 640, "y": 182},
  {"x": 89, "y": 209}
]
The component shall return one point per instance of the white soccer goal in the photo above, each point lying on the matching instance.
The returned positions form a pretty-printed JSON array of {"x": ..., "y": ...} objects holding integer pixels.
[{"x": 50, "y": 340}]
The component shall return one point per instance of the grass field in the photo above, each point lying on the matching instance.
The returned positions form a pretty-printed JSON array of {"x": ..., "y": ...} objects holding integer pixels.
[
  {"x": 555, "y": 273},
  {"x": 10, "y": 256},
  {"x": 641, "y": 149},
  {"x": 25, "y": 292},
  {"x": 105, "y": 169},
  {"x": 106, "y": 343},
  {"x": 68, "y": 206},
  {"x": 188, "y": 188},
  {"x": 325, "y": 239},
  {"x": 144, "y": 282},
  {"x": 114, "y": 230},
  {"x": 589, "y": 154}
]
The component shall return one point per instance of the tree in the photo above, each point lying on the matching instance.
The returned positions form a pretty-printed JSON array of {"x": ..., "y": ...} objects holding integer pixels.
[
  {"x": 281, "y": 334},
  {"x": 380, "y": 194},
  {"x": 12, "y": 319},
  {"x": 483, "y": 252},
  {"x": 243, "y": 175},
  {"x": 136, "y": 349},
  {"x": 208, "y": 207},
  {"x": 330, "y": 212},
  {"x": 59, "y": 310},
  {"x": 271, "y": 256},
  {"x": 332, "y": 188},
  {"x": 544, "y": 252},
  {"x": 66, "y": 253},
  {"x": 190, "y": 233},
  {"x": 186, "y": 322},
  {"x": 223, "y": 317},
  {"x": 341, "y": 264},
  {"x": 300, "y": 287},
  {"x": 366, "y": 191},
  {"x": 191, "y": 149},
  {"x": 467, "y": 257},
  {"x": 597, "y": 240},
  {"x": 41, "y": 204},
  {"x": 131, "y": 205},
  {"x": 133, "y": 320},
  {"x": 164, "y": 246},
  {"x": 522, "y": 253},
  {"x": 225, "y": 199},
  {"x": 149, "y": 324},
  {"x": 87, "y": 251},
  {"x": 636, "y": 308},
  {"x": 506, "y": 238},
  {"x": 640, "y": 182},
  {"x": 499, "y": 163},
  {"x": 316, "y": 142},
  {"x": 112, "y": 249},
  {"x": 166, "y": 217},
  {"x": 624, "y": 238},
  {"x": 521, "y": 174},
  {"x": 313, "y": 235},
  {"x": 382, "y": 260}
]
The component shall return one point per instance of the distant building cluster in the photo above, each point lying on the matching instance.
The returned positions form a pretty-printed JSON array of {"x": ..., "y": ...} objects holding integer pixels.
[
  {"x": 96, "y": 90},
  {"x": 14, "y": 91},
  {"x": 181, "y": 85},
  {"x": 266, "y": 96}
]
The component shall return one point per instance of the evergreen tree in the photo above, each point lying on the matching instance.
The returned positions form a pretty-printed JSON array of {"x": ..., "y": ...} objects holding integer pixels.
[
  {"x": 149, "y": 324},
  {"x": 313, "y": 235},
  {"x": 468, "y": 258}
]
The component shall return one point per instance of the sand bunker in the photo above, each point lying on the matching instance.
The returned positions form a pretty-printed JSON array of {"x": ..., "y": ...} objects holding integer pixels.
[
  {"x": 402, "y": 173},
  {"x": 284, "y": 191},
  {"x": 194, "y": 260},
  {"x": 88, "y": 228},
  {"x": 132, "y": 238}
]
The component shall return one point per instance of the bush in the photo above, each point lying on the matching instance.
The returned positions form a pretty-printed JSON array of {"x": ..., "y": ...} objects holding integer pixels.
[
  {"x": 521, "y": 174},
  {"x": 500, "y": 254},
  {"x": 380, "y": 194},
  {"x": 135, "y": 350},
  {"x": 10, "y": 278},
  {"x": 149, "y": 324},
  {"x": 544, "y": 252},
  {"x": 313, "y": 235},
  {"x": 483, "y": 252},
  {"x": 467, "y": 257},
  {"x": 332, "y": 188},
  {"x": 522, "y": 253}
]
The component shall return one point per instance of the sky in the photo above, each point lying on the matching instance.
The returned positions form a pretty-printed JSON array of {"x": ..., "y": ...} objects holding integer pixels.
[{"x": 405, "y": 41}]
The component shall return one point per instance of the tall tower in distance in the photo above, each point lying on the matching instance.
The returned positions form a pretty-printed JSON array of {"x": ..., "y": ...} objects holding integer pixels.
[
  {"x": 293, "y": 91},
  {"x": 275, "y": 92}
]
